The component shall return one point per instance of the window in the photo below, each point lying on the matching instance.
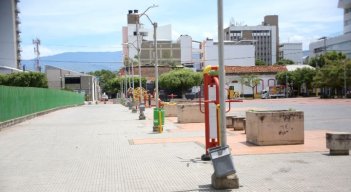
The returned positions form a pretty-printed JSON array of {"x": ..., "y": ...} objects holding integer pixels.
[{"x": 72, "y": 80}]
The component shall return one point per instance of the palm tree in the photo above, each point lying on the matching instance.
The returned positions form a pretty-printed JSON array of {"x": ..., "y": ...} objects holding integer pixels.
[{"x": 251, "y": 81}]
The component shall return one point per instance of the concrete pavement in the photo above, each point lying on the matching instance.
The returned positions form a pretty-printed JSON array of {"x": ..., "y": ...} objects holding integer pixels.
[{"x": 106, "y": 148}]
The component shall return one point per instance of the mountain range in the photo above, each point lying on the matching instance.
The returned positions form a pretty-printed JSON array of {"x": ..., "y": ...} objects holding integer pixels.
[{"x": 80, "y": 61}]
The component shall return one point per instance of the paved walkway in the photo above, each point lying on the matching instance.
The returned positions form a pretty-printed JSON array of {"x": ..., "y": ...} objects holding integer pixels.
[{"x": 106, "y": 148}]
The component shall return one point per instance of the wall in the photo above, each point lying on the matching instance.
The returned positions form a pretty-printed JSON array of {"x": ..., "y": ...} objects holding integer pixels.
[
  {"x": 234, "y": 55},
  {"x": 8, "y": 37},
  {"x": 21, "y": 101}
]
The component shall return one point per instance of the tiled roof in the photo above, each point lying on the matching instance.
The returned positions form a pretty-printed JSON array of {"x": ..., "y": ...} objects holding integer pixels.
[{"x": 254, "y": 69}]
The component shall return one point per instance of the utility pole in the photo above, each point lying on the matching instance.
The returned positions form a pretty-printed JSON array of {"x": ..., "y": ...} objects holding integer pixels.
[{"x": 36, "y": 43}]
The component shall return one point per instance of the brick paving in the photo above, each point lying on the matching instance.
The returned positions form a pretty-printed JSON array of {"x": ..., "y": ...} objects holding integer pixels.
[{"x": 106, "y": 148}]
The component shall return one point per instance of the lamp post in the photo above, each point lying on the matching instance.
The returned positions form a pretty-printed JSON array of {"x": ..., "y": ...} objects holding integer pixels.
[
  {"x": 154, "y": 24},
  {"x": 138, "y": 49}
]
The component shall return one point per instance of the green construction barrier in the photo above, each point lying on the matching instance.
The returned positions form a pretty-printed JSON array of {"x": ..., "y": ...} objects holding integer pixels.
[
  {"x": 21, "y": 101},
  {"x": 156, "y": 116}
]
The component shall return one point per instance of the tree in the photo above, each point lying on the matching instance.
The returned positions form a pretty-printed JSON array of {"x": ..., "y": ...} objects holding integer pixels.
[
  {"x": 295, "y": 79},
  {"x": 333, "y": 71},
  {"x": 106, "y": 80},
  {"x": 180, "y": 80},
  {"x": 259, "y": 62},
  {"x": 327, "y": 58},
  {"x": 25, "y": 79},
  {"x": 251, "y": 81},
  {"x": 285, "y": 62}
]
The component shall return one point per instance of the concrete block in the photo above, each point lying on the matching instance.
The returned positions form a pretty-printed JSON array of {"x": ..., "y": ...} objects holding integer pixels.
[
  {"x": 239, "y": 123},
  {"x": 339, "y": 143},
  {"x": 228, "y": 182},
  {"x": 170, "y": 110},
  {"x": 229, "y": 121},
  {"x": 190, "y": 113},
  {"x": 276, "y": 127}
]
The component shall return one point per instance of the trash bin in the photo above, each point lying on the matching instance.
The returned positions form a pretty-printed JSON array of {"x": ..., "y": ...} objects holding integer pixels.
[
  {"x": 222, "y": 161},
  {"x": 156, "y": 116}
]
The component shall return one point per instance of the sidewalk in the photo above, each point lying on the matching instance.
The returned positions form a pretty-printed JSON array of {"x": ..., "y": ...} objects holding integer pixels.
[{"x": 106, "y": 148}]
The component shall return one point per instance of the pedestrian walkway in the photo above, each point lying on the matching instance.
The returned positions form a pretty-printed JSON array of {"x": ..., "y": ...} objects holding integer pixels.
[{"x": 106, "y": 148}]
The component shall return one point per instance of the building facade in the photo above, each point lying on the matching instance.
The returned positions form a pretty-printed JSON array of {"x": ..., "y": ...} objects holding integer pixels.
[
  {"x": 340, "y": 43},
  {"x": 10, "y": 51},
  {"x": 266, "y": 74},
  {"x": 234, "y": 54},
  {"x": 264, "y": 37},
  {"x": 169, "y": 52},
  {"x": 78, "y": 82},
  {"x": 291, "y": 51}
]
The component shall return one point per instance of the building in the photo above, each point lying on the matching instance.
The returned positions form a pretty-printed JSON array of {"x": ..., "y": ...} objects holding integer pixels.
[
  {"x": 266, "y": 74},
  {"x": 8, "y": 70},
  {"x": 291, "y": 51},
  {"x": 264, "y": 37},
  {"x": 235, "y": 54},
  {"x": 10, "y": 51},
  {"x": 81, "y": 83},
  {"x": 168, "y": 51},
  {"x": 341, "y": 43}
]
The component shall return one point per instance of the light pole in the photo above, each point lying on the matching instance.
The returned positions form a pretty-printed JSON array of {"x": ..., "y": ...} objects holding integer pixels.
[
  {"x": 345, "y": 88},
  {"x": 154, "y": 24},
  {"x": 138, "y": 48}
]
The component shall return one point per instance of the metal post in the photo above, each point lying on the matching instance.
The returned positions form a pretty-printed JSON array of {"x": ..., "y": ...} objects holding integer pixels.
[
  {"x": 221, "y": 74},
  {"x": 156, "y": 64},
  {"x": 141, "y": 104},
  {"x": 345, "y": 88}
]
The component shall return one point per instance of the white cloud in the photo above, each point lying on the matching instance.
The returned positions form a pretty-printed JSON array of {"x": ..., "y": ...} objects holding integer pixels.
[{"x": 66, "y": 20}]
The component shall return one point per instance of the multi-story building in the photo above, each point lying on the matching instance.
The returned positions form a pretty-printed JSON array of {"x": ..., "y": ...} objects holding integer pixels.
[
  {"x": 291, "y": 51},
  {"x": 264, "y": 37},
  {"x": 169, "y": 52},
  {"x": 9, "y": 34},
  {"x": 340, "y": 43}
]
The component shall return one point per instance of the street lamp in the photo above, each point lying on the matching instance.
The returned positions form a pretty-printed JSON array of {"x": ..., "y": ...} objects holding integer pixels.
[
  {"x": 154, "y": 24},
  {"x": 138, "y": 48}
]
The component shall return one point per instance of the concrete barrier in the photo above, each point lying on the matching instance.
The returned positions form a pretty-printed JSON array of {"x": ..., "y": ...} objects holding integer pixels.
[
  {"x": 338, "y": 143},
  {"x": 276, "y": 127},
  {"x": 229, "y": 121},
  {"x": 170, "y": 109},
  {"x": 239, "y": 123},
  {"x": 190, "y": 113}
]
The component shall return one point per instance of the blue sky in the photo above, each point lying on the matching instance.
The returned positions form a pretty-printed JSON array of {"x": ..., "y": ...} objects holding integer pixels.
[{"x": 95, "y": 25}]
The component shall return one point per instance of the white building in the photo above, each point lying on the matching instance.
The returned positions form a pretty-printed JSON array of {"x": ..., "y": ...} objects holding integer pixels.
[
  {"x": 340, "y": 43},
  {"x": 9, "y": 34},
  {"x": 234, "y": 54},
  {"x": 168, "y": 51},
  {"x": 291, "y": 51},
  {"x": 78, "y": 82}
]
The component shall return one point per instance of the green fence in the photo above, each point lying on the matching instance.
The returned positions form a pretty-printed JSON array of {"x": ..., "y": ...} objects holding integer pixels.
[{"x": 20, "y": 101}]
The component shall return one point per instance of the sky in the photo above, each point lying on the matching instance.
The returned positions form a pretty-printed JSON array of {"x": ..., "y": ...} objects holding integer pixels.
[{"x": 95, "y": 25}]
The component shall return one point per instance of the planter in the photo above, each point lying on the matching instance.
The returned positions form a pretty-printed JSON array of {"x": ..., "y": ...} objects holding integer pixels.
[
  {"x": 276, "y": 127},
  {"x": 170, "y": 109},
  {"x": 190, "y": 113}
]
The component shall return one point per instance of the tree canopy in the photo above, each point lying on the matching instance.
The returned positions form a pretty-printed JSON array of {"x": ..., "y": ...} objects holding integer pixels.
[
  {"x": 24, "y": 79},
  {"x": 285, "y": 62},
  {"x": 259, "y": 62},
  {"x": 180, "y": 80}
]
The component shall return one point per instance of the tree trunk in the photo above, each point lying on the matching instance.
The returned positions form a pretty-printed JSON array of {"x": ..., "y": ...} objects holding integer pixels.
[{"x": 253, "y": 92}]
